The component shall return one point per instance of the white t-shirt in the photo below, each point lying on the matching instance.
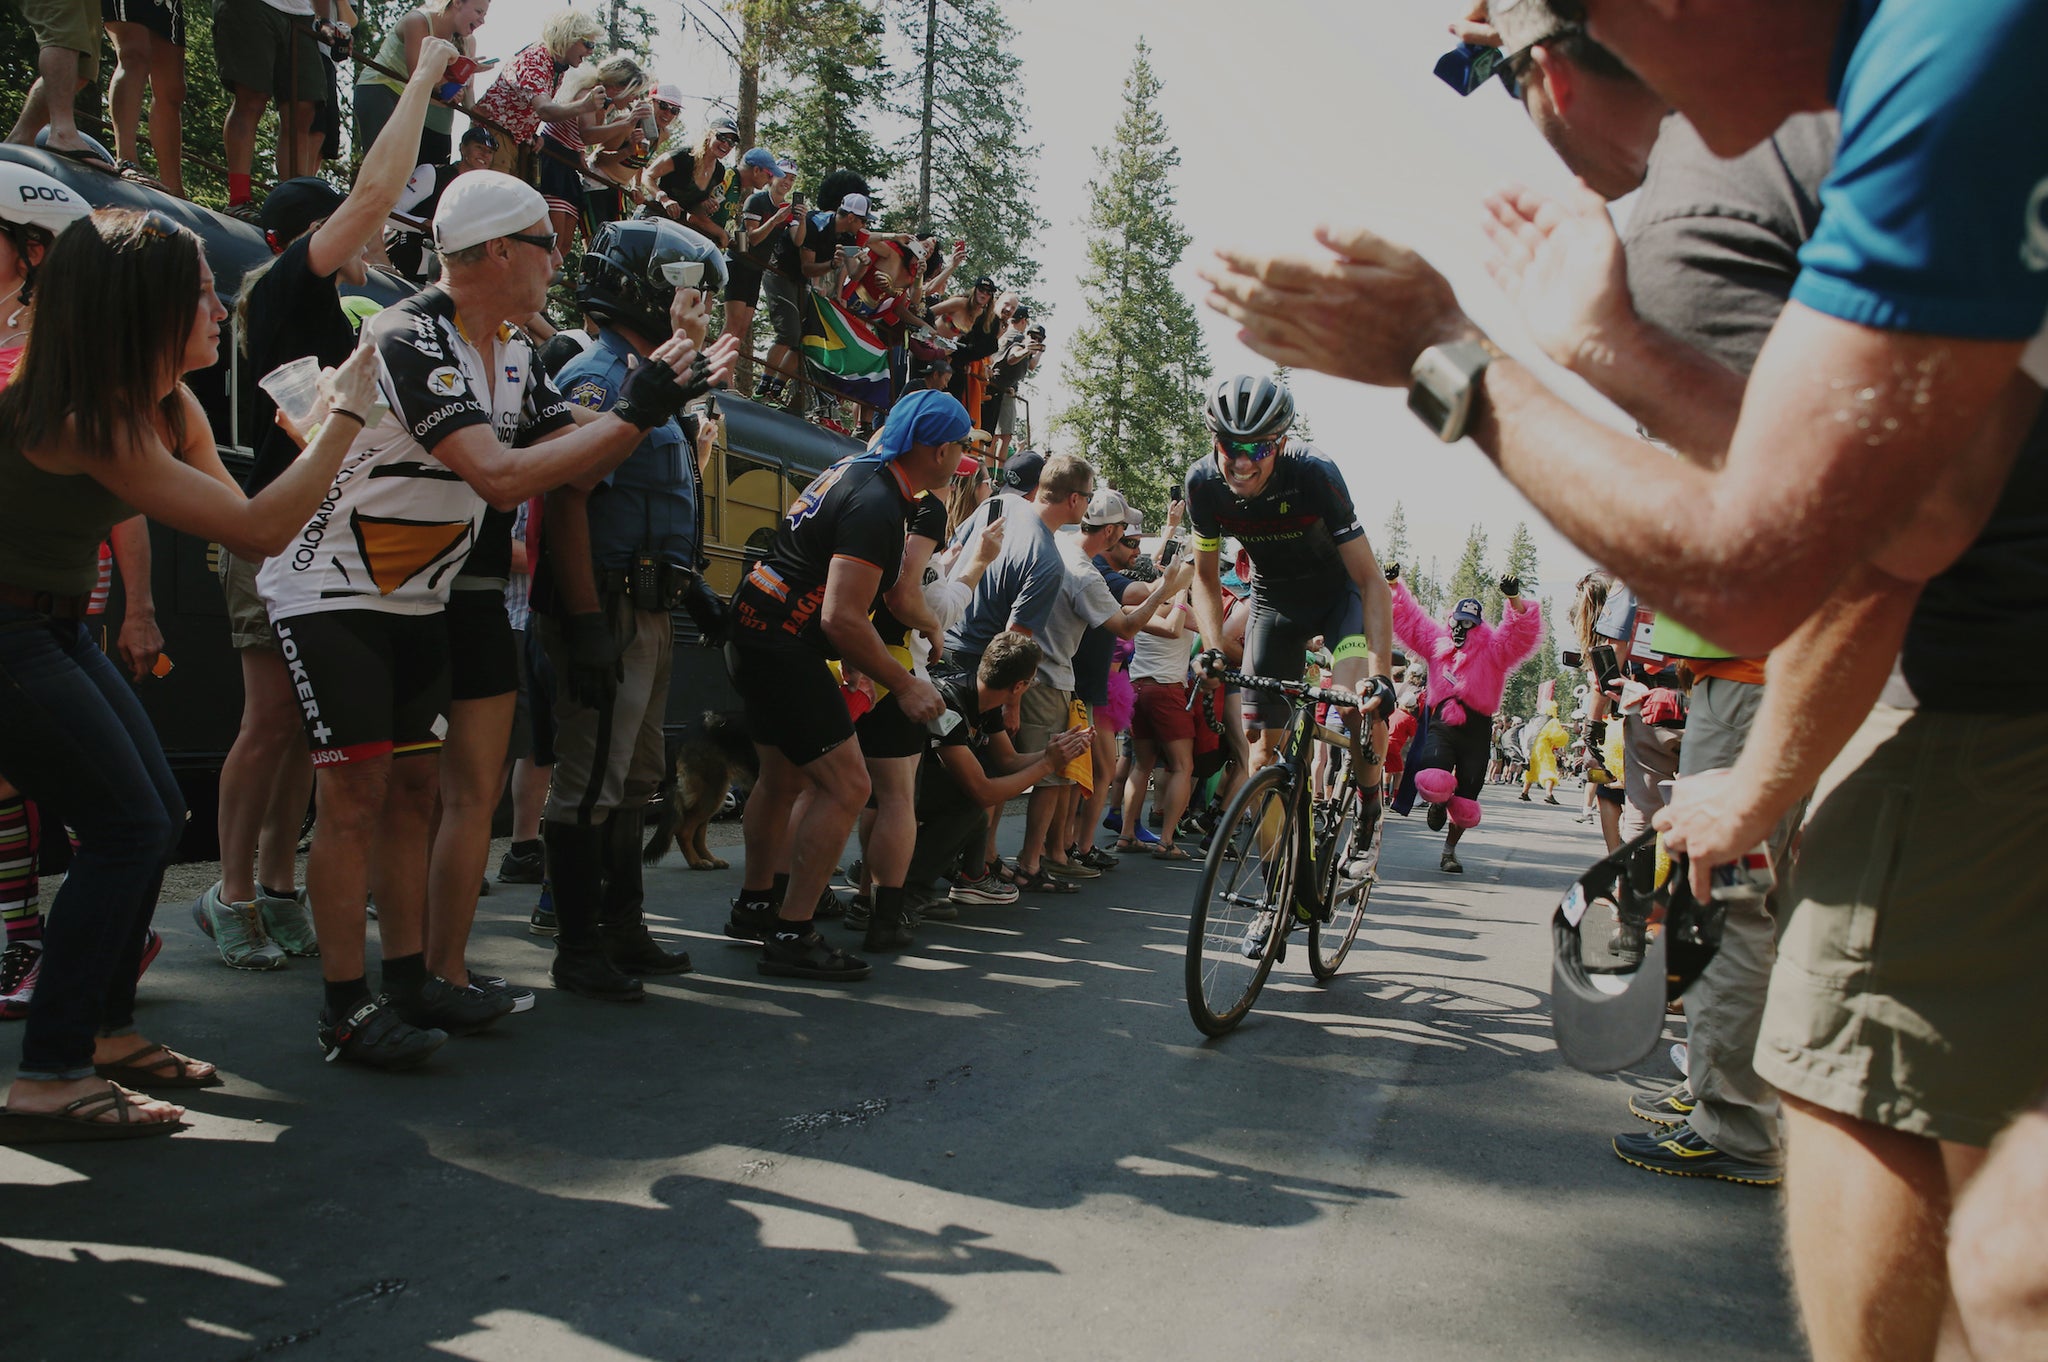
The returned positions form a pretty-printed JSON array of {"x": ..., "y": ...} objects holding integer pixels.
[
  {"x": 1084, "y": 602},
  {"x": 398, "y": 523},
  {"x": 1164, "y": 659}
]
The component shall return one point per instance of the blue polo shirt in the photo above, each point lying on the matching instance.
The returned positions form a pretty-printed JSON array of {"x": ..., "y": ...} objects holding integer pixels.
[
  {"x": 648, "y": 504},
  {"x": 1935, "y": 218}
]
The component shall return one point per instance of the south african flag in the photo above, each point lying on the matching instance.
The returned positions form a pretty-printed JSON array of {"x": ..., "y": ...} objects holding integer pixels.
[{"x": 844, "y": 352}]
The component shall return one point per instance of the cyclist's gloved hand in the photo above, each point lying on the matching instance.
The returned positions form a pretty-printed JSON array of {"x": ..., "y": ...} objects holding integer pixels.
[
  {"x": 1209, "y": 662},
  {"x": 594, "y": 669},
  {"x": 1381, "y": 688},
  {"x": 1596, "y": 732},
  {"x": 1393, "y": 571},
  {"x": 653, "y": 393},
  {"x": 1511, "y": 586}
]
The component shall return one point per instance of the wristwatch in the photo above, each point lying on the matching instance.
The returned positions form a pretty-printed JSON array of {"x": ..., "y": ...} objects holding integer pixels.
[{"x": 1443, "y": 387}]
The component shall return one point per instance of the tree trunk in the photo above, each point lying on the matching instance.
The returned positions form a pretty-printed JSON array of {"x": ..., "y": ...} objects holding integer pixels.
[{"x": 924, "y": 129}]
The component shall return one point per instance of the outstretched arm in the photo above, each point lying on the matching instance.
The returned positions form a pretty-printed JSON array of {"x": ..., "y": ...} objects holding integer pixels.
[
  {"x": 1412, "y": 624},
  {"x": 1519, "y": 632}
]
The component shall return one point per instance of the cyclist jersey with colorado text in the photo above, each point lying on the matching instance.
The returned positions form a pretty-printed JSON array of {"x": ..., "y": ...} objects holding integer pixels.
[
  {"x": 1292, "y": 529},
  {"x": 856, "y": 509},
  {"x": 398, "y": 523}
]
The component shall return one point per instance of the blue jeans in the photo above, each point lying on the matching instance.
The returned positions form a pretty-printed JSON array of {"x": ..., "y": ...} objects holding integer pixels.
[{"x": 74, "y": 739}]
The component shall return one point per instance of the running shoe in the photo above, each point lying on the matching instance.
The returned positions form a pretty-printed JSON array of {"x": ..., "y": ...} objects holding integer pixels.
[
  {"x": 987, "y": 889},
  {"x": 1255, "y": 935},
  {"x": 522, "y": 999},
  {"x": 524, "y": 863},
  {"x": 1146, "y": 835},
  {"x": 1096, "y": 857},
  {"x": 1450, "y": 864},
  {"x": 857, "y": 912},
  {"x": 21, "y": 964},
  {"x": 458, "y": 1009},
  {"x": 373, "y": 1034},
  {"x": 1667, "y": 1108},
  {"x": 542, "y": 922},
  {"x": 1683, "y": 1153},
  {"x": 237, "y": 929},
  {"x": 941, "y": 909},
  {"x": 1436, "y": 818},
  {"x": 1114, "y": 820},
  {"x": 288, "y": 922}
]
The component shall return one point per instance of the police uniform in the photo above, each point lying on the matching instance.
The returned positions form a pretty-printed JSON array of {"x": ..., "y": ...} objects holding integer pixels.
[{"x": 643, "y": 547}]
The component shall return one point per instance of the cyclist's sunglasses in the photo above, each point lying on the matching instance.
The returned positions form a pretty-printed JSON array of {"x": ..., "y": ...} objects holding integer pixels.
[{"x": 1258, "y": 451}]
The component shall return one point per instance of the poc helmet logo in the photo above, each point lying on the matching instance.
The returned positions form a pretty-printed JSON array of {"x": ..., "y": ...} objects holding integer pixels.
[{"x": 31, "y": 193}]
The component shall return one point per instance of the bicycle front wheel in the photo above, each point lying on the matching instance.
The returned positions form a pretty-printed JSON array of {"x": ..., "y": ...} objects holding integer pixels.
[
  {"x": 1348, "y": 854},
  {"x": 1240, "y": 915}
]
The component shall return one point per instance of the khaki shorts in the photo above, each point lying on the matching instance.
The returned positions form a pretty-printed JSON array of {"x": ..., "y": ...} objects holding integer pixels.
[
  {"x": 248, "y": 617},
  {"x": 70, "y": 24},
  {"x": 1043, "y": 713},
  {"x": 1908, "y": 989}
]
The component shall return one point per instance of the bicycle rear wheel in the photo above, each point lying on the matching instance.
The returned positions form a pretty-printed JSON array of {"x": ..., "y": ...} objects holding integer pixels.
[
  {"x": 1349, "y": 854},
  {"x": 1240, "y": 916}
]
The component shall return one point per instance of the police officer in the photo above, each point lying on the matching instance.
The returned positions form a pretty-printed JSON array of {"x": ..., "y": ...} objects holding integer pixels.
[{"x": 620, "y": 552}]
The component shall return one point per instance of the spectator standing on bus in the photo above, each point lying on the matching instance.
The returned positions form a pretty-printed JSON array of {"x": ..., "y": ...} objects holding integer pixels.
[
  {"x": 523, "y": 95},
  {"x": 149, "y": 55},
  {"x": 377, "y": 94}
]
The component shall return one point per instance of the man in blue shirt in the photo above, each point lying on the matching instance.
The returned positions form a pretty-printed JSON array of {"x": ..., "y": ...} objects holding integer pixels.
[
  {"x": 1895, "y": 408},
  {"x": 620, "y": 552}
]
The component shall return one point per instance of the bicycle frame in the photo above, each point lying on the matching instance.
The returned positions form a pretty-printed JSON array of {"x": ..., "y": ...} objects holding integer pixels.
[{"x": 1302, "y": 734}]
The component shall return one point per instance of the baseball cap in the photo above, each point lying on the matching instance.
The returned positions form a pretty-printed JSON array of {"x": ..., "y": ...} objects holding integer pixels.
[
  {"x": 1106, "y": 507},
  {"x": 1470, "y": 611},
  {"x": 856, "y": 204},
  {"x": 723, "y": 126},
  {"x": 1523, "y": 23},
  {"x": 1021, "y": 314},
  {"x": 477, "y": 132},
  {"x": 785, "y": 165},
  {"x": 482, "y": 205},
  {"x": 1020, "y": 474},
  {"x": 1609, "y": 1016},
  {"x": 295, "y": 205},
  {"x": 985, "y": 284},
  {"x": 760, "y": 158},
  {"x": 1134, "y": 519},
  {"x": 667, "y": 94}
]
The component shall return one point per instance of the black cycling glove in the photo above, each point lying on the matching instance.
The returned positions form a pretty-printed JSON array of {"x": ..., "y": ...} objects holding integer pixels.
[
  {"x": 595, "y": 668},
  {"x": 653, "y": 393},
  {"x": 1381, "y": 688}
]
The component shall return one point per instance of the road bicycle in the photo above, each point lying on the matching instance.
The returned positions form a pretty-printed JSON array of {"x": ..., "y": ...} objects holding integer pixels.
[{"x": 1279, "y": 860}]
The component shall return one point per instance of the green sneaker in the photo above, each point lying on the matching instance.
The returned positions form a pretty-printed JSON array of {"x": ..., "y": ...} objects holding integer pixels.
[
  {"x": 237, "y": 928},
  {"x": 289, "y": 923}
]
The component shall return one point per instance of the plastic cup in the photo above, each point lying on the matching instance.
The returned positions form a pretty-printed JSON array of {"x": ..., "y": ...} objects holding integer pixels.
[{"x": 295, "y": 388}]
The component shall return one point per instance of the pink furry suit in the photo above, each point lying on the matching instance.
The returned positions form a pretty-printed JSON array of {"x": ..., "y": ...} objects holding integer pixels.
[{"x": 1463, "y": 696}]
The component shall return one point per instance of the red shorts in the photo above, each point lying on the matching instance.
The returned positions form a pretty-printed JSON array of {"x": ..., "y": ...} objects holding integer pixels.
[{"x": 1161, "y": 713}]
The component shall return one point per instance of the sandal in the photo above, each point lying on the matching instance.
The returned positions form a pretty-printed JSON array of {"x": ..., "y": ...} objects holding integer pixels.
[
  {"x": 1125, "y": 845},
  {"x": 1042, "y": 883},
  {"x": 808, "y": 957},
  {"x": 1168, "y": 851},
  {"x": 1006, "y": 871},
  {"x": 169, "y": 1070},
  {"x": 80, "y": 1121}
]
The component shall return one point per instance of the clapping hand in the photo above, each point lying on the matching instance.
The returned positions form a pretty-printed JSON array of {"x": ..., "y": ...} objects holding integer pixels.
[{"x": 1561, "y": 263}]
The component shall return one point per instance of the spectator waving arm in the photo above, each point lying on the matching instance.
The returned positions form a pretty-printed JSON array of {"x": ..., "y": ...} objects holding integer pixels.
[{"x": 387, "y": 167}]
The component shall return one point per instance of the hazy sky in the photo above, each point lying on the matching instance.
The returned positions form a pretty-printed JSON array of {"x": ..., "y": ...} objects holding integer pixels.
[{"x": 1285, "y": 113}]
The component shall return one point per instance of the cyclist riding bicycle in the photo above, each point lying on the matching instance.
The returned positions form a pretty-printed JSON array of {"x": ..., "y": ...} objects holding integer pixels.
[{"x": 1287, "y": 504}]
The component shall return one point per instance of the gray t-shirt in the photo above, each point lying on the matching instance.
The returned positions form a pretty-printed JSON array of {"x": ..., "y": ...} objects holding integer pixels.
[
  {"x": 1712, "y": 253},
  {"x": 1020, "y": 587},
  {"x": 1084, "y": 601}
]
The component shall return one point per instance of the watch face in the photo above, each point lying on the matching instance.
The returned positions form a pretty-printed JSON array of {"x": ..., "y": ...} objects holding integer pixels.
[{"x": 1426, "y": 404}]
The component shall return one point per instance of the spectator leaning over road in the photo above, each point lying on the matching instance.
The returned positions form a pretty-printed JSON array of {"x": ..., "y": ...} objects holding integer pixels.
[
  {"x": 566, "y": 143},
  {"x": 1017, "y": 355},
  {"x": 356, "y": 600},
  {"x": 377, "y": 95},
  {"x": 266, "y": 55},
  {"x": 91, "y": 435},
  {"x": 692, "y": 186},
  {"x": 1926, "y": 262},
  {"x": 291, "y": 309},
  {"x": 409, "y": 250},
  {"x": 67, "y": 58},
  {"x": 149, "y": 55},
  {"x": 623, "y": 554},
  {"x": 761, "y": 216},
  {"x": 781, "y": 255},
  {"x": 836, "y": 554},
  {"x": 523, "y": 95}
]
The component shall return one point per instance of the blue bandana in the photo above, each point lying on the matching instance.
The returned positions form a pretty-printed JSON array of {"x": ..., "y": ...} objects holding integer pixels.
[{"x": 922, "y": 418}]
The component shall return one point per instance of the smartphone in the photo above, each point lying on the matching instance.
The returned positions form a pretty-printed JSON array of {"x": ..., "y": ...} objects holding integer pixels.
[
  {"x": 995, "y": 507},
  {"x": 1606, "y": 669},
  {"x": 1574, "y": 660}
]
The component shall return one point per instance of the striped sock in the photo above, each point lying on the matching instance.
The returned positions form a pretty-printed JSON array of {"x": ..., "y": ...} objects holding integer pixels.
[{"x": 19, "y": 910}]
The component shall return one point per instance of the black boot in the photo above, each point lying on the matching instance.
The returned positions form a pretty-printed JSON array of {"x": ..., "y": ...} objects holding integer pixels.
[
  {"x": 576, "y": 859},
  {"x": 886, "y": 928},
  {"x": 621, "y": 930}
]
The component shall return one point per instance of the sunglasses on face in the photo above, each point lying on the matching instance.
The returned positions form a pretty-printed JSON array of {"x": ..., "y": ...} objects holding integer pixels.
[
  {"x": 1129, "y": 541},
  {"x": 1515, "y": 65},
  {"x": 541, "y": 241},
  {"x": 667, "y": 107},
  {"x": 1258, "y": 451}
]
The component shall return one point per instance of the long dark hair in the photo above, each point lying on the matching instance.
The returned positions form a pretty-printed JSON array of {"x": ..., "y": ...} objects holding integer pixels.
[{"x": 116, "y": 300}]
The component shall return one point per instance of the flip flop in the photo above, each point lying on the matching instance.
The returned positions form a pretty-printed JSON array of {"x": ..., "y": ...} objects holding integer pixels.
[
  {"x": 1167, "y": 851},
  {"x": 78, "y": 1122},
  {"x": 173, "y": 1070}
]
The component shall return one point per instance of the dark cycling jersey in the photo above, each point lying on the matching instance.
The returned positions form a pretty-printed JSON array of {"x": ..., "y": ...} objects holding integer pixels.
[
  {"x": 854, "y": 509},
  {"x": 927, "y": 518},
  {"x": 1292, "y": 529}
]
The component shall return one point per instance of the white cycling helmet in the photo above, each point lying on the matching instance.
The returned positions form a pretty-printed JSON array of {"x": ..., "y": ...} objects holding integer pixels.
[
  {"x": 1248, "y": 407},
  {"x": 29, "y": 198}
]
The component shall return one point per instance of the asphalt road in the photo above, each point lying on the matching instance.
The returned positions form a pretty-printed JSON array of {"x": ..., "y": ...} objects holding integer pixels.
[{"x": 1009, "y": 1143}]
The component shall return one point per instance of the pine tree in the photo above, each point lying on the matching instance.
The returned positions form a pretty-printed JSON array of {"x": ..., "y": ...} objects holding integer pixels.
[
  {"x": 1138, "y": 365},
  {"x": 1426, "y": 585},
  {"x": 1523, "y": 685},
  {"x": 1284, "y": 376},
  {"x": 1472, "y": 577},
  {"x": 1394, "y": 547},
  {"x": 970, "y": 148},
  {"x": 827, "y": 83}
]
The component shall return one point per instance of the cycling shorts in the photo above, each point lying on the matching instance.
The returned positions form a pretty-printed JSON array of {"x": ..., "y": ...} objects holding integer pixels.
[
  {"x": 792, "y": 700},
  {"x": 483, "y": 658},
  {"x": 885, "y": 731},
  {"x": 1276, "y": 641},
  {"x": 369, "y": 683}
]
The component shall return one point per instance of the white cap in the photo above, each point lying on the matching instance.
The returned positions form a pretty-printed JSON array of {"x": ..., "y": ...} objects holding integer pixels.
[
  {"x": 667, "y": 94},
  {"x": 483, "y": 204},
  {"x": 1134, "y": 519},
  {"x": 856, "y": 204},
  {"x": 1106, "y": 507}
]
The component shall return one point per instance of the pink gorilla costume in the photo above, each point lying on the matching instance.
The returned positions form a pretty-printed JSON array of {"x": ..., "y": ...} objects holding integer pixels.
[{"x": 1466, "y": 677}]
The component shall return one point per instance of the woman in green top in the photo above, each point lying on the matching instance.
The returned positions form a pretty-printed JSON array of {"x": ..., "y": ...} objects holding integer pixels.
[
  {"x": 97, "y": 426},
  {"x": 377, "y": 95}
]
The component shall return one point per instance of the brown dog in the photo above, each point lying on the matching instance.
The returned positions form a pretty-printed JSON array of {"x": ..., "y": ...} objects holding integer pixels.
[{"x": 712, "y": 760}]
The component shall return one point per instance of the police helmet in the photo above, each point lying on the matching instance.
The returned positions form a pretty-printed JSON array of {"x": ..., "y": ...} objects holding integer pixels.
[{"x": 633, "y": 269}]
